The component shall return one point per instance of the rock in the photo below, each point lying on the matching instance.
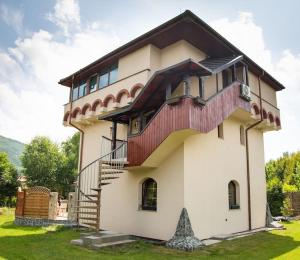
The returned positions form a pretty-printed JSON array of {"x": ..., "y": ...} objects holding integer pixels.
[{"x": 184, "y": 238}]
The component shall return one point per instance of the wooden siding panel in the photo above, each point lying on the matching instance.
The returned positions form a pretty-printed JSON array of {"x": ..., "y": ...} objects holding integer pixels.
[{"x": 185, "y": 115}]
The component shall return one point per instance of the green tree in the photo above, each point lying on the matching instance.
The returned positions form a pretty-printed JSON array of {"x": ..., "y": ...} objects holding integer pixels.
[
  {"x": 283, "y": 176},
  {"x": 8, "y": 180},
  {"x": 42, "y": 160},
  {"x": 69, "y": 170},
  {"x": 48, "y": 164}
]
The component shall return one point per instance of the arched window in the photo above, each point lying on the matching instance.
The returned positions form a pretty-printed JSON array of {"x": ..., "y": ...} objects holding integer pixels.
[
  {"x": 149, "y": 194},
  {"x": 233, "y": 192}
]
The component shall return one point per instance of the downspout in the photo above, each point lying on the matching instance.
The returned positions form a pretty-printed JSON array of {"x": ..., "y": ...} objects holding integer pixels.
[
  {"x": 81, "y": 145},
  {"x": 70, "y": 123},
  {"x": 247, "y": 153}
]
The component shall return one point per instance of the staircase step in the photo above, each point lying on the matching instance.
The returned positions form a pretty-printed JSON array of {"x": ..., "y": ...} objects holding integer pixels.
[
  {"x": 88, "y": 201},
  {"x": 87, "y": 213},
  {"x": 109, "y": 178},
  {"x": 89, "y": 225},
  {"x": 116, "y": 243},
  {"x": 104, "y": 238},
  {"x": 86, "y": 207},
  {"x": 114, "y": 162},
  {"x": 111, "y": 172},
  {"x": 88, "y": 218}
]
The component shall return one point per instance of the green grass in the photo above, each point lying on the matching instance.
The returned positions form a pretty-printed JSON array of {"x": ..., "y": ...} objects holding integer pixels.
[{"x": 51, "y": 243}]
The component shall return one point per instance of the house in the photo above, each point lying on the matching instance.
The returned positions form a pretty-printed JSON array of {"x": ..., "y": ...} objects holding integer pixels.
[{"x": 173, "y": 121}]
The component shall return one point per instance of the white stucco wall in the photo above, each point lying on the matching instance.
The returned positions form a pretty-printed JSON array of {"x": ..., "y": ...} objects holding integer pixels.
[
  {"x": 210, "y": 164},
  {"x": 120, "y": 200}
]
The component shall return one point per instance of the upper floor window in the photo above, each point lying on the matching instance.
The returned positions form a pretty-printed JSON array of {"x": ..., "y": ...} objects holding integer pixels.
[
  {"x": 242, "y": 135},
  {"x": 227, "y": 77},
  {"x": 220, "y": 131},
  {"x": 75, "y": 93},
  {"x": 149, "y": 194},
  {"x": 108, "y": 77},
  {"x": 82, "y": 89},
  {"x": 93, "y": 83}
]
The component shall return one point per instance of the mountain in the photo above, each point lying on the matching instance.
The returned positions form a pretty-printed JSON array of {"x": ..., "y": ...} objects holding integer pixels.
[{"x": 13, "y": 148}]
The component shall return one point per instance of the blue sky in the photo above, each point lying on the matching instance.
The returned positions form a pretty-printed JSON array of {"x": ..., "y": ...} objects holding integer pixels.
[{"x": 43, "y": 41}]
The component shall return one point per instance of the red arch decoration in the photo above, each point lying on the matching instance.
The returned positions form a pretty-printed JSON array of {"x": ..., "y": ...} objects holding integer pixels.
[
  {"x": 121, "y": 93},
  {"x": 86, "y": 107},
  {"x": 277, "y": 121},
  {"x": 75, "y": 112},
  {"x": 271, "y": 117},
  {"x": 256, "y": 108},
  {"x": 135, "y": 88},
  {"x": 96, "y": 103},
  {"x": 264, "y": 114},
  {"x": 107, "y": 99},
  {"x": 66, "y": 116}
]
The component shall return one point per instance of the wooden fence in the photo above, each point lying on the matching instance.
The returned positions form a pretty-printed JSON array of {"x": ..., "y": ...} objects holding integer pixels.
[
  {"x": 35, "y": 203},
  {"x": 295, "y": 201}
]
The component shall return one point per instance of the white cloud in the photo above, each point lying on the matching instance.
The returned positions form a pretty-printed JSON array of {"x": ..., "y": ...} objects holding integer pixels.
[
  {"x": 249, "y": 38},
  {"x": 66, "y": 15},
  {"x": 31, "y": 101},
  {"x": 12, "y": 17}
]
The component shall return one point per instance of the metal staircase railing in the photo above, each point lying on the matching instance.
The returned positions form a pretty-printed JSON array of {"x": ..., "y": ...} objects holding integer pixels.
[{"x": 89, "y": 184}]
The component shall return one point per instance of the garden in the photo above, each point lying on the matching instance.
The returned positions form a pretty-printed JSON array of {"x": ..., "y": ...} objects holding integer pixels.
[{"x": 54, "y": 243}]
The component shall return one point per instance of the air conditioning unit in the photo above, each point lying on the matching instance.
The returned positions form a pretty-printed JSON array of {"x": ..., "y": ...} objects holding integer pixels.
[{"x": 245, "y": 92}]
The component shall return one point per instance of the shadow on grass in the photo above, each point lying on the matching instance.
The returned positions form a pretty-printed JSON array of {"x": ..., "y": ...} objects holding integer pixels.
[{"x": 56, "y": 245}]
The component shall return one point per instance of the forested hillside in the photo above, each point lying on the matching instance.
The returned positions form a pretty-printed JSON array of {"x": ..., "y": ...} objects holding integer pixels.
[{"x": 13, "y": 148}]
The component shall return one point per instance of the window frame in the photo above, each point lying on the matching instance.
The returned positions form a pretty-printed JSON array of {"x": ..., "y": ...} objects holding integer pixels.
[
  {"x": 145, "y": 193},
  {"x": 221, "y": 131},
  {"x": 233, "y": 195}
]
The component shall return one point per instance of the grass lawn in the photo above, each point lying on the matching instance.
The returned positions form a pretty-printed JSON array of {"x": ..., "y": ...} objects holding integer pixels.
[{"x": 45, "y": 243}]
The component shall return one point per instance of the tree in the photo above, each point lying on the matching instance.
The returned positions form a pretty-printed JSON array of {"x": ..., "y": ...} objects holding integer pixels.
[
  {"x": 41, "y": 160},
  {"x": 283, "y": 176},
  {"x": 66, "y": 178},
  {"x": 8, "y": 180},
  {"x": 50, "y": 165}
]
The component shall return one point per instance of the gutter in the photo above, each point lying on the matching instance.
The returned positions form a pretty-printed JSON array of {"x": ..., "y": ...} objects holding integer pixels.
[
  {"x": 82, "y": 133},
  {"x": 247, "y": 153}
]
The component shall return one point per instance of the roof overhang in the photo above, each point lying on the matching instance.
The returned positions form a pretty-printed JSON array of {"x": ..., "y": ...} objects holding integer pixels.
[{"x": 185, "y": 26}]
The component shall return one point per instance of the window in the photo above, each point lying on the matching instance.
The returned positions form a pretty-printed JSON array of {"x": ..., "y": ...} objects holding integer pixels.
[
  {"x": 220, "y": 131},
  {"x": 93, "y": 83},
  {"x": 75, "y": 93},
  {"x": 242, "y": 135},
  {"x": 135, "y": 125},
  {"x": 227, "y": 77},
  {"x": 149, "y": 194},
  {"x": 113, "y": 75},
  {"x": 108, "y": 77},
  {"x": 103, "y": 80},
  {"x": 233, "y": 193},
  {"x": 82, "y": 89}
]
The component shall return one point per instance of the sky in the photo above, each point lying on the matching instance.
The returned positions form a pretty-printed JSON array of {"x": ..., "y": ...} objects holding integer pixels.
[{"x": 44, "y": 41}]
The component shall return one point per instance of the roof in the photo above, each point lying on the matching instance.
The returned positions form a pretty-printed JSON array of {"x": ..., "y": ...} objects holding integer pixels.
[
  {"x": 215, "y": 65},
  {"x": 186, "y": 26},
  {"x": 153, "y": 93}
]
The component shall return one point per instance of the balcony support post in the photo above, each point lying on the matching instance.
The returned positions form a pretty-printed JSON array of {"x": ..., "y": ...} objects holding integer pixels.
[
  {"x": 114, "y": 138},
  {"x": 186, "y": 85},
  {"x": 168, "y": 91}
]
